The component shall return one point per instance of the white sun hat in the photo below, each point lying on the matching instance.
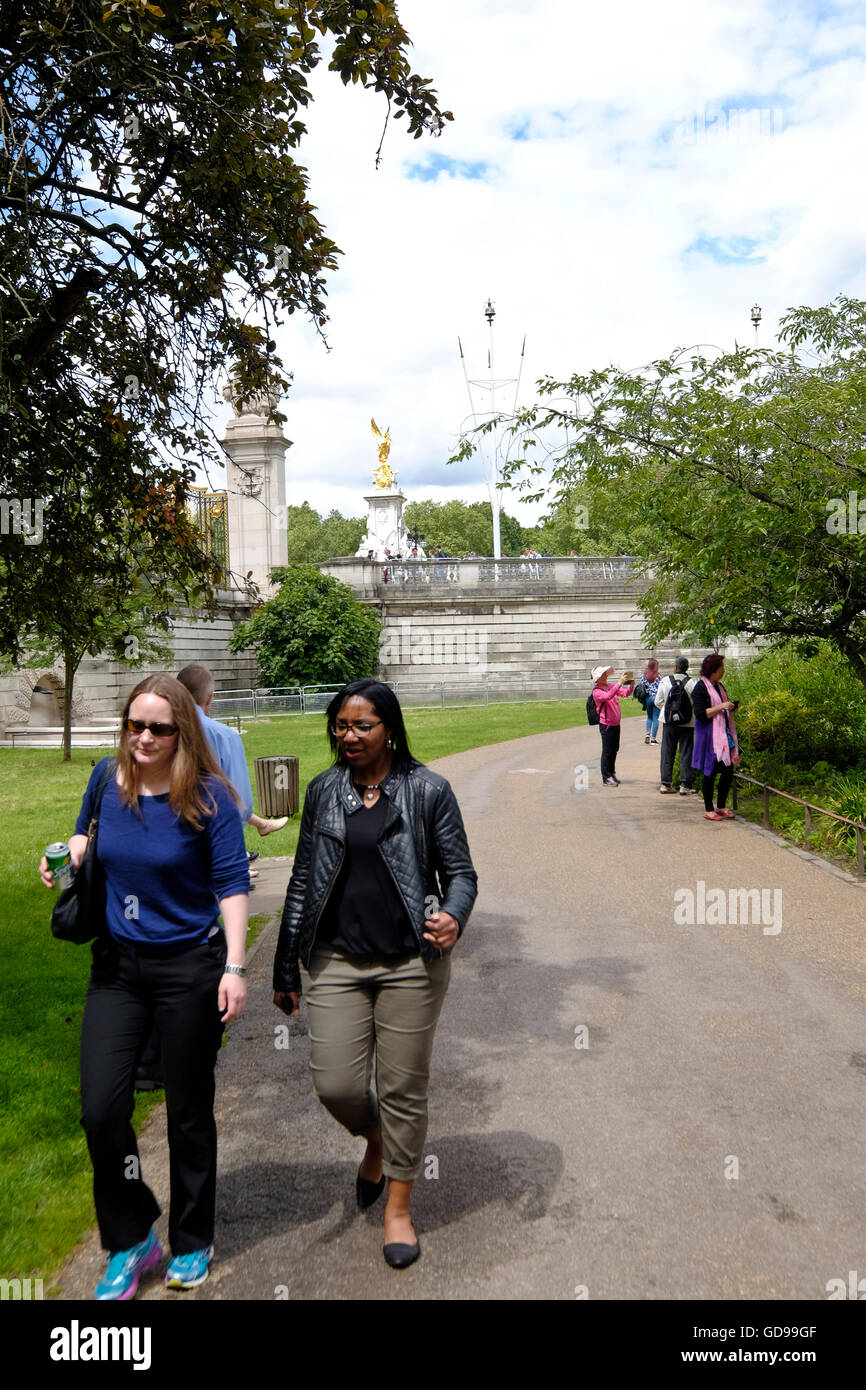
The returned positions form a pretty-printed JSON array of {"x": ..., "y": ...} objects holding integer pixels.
[{"x": 599, "y": 671}]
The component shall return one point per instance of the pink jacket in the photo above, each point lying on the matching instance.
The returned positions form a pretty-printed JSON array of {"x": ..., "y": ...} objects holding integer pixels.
[{"x": 607, "y": 698}]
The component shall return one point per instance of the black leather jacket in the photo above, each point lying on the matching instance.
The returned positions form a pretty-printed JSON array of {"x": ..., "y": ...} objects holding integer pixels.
[{"x": 423, "y": 844}]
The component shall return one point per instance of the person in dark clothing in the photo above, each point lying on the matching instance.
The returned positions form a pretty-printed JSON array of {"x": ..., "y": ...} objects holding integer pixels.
[
  {"x": 716, "y": 750},
  {"x": 676, "y": 733},
  {"x": 381, "y": 888}
]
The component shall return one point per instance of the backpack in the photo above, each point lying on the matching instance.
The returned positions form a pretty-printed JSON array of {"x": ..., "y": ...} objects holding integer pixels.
[
  {"x": 678, "y": 706},
  {"x": 592, "y": 715},
  {"x": 639, "y": 692}
]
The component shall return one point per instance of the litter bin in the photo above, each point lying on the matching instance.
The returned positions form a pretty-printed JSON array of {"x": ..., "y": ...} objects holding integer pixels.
[{"x": 277, "y": 785}]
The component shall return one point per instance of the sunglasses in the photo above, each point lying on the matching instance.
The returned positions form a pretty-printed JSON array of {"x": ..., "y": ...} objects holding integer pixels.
[{"x": 138, "y": 726}]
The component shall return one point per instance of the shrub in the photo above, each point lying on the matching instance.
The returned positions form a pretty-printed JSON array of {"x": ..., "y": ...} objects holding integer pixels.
[
  {"x": 312, "y": 632},
  {"x": 802, "y": 711},
  {"x": 849, "y": 799}
]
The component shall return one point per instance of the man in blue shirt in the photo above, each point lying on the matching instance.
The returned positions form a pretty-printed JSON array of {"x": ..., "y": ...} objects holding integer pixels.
[{"x": 227, "y": 745}]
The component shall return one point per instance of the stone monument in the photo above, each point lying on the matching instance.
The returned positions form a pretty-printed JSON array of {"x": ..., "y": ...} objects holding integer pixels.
[
  {"x": 386, "y": 529},
  {"x": 256, "y": 487}
]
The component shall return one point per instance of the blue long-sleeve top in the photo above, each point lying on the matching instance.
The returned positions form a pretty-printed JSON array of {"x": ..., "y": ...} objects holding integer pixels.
[
  {"x": 163, "y": 878},
  {"x": 228, "y": 746}
]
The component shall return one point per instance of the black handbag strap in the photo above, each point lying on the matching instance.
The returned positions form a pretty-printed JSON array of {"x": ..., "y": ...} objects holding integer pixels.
[{"x": 100, "y": 792}]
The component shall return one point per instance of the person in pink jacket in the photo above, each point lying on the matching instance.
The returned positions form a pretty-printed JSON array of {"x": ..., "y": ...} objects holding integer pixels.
[{"x": 607, "y": 698}]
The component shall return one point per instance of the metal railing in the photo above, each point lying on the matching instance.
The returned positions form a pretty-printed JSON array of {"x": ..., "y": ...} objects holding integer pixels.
[
  {"x": 808, "y": 808},
  {"x": 479, "y": 690},
  {"x": 510, "y": 570}
]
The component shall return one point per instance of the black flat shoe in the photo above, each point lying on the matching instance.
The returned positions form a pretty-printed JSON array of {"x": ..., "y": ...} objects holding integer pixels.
[
  {"x": 400, "y": 1256},
  {"x": 368, "y": 1192}
]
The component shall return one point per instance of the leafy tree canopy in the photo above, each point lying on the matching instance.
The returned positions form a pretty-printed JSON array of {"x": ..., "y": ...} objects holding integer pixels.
[
  {"x": 312, "y": 632},
  {"x": 462, "y": 526},
  {"x": 313, "y": 538},
  {"x": 739, "y": 479},
  {"x": 155, "y": 224}
]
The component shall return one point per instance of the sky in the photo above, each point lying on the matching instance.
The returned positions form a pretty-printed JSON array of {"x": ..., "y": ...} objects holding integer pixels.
[{"x": 619, "y": 180}]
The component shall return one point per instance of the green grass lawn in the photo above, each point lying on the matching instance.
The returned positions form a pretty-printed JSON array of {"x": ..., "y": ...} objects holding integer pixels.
[{"x": 45, "y": 1193}]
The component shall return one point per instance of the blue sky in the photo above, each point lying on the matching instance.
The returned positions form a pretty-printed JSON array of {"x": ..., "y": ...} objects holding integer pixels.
[{"x": 617, "y": 180}]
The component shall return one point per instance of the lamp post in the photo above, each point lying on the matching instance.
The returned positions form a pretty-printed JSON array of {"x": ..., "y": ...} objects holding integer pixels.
[
  {"x": 492, "y": 384},
  {"x": 756, "y": 319},
  {"x": 415, "y": 538}
]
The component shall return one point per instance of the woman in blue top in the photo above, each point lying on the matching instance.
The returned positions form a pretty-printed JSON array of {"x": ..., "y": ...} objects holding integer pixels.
[
  {"x": 171, "y": 846},
  {"x": 650, "y": 683}
]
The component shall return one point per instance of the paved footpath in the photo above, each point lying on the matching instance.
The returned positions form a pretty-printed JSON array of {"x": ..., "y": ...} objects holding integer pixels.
[{"x": 710, "y": 1051}]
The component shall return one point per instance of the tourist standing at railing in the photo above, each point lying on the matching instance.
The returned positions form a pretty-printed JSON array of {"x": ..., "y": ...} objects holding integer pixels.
[
  {"x": 381, "y": 888},
  {"x": 607, "y": 698},
  {"x": 717, "y": 750}
]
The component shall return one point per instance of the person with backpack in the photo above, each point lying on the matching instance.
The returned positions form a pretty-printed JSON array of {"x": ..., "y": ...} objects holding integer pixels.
[
  {"x": 677, "y": 725},
  {"x": 605, "y": 699}
]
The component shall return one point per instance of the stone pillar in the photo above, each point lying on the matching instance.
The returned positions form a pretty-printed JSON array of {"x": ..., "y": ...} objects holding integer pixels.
[
  {"x": 385, "y": 525},
  {"x": 256, "y": 487}
]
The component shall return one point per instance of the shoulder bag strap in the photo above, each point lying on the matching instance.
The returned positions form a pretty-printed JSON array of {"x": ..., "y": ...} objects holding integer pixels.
[{"x": 100, "y": 793}]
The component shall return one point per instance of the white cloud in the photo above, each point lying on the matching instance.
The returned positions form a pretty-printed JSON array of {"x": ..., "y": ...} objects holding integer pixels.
[{"x": 580, "y": 231}]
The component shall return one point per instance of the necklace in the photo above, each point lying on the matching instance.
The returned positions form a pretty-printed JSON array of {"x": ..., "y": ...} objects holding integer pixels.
[{"x": 369, "y": 791}]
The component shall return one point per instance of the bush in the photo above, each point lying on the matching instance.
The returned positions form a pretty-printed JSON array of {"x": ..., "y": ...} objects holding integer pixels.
[
  {"x": 312, "y": 632},
  {"x": 848, "y": 799},
  {"x": 800, "y": 712}
]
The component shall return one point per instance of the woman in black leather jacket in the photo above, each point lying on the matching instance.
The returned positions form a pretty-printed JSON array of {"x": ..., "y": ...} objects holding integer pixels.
[{"x": 381, "y": 888}]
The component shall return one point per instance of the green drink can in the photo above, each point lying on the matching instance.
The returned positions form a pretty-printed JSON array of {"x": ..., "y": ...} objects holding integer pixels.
[{"x": 60, "y": 864}]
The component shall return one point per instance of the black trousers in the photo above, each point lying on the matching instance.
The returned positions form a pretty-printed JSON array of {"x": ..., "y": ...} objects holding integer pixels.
[
  {"x": 609, "y": 748},
  {"x": 128, "y": 992},
  {"x": 725, "y": 774},
  {"x": 672, "y": 736}
]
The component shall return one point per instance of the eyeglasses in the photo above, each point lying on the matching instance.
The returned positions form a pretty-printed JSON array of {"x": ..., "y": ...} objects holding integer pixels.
[
  {"x": 362, "y": 730},
  {"x": 138, "y": 726}
]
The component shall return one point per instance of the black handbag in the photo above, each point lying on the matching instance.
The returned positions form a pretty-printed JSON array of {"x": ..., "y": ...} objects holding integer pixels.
[{"x": 79, "y": 913}]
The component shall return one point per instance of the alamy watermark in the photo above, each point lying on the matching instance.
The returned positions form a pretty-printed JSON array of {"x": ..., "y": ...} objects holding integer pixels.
[
  {"x": 20, "y": 1290},
  {"x": 846, "y": 515},
  {"x": 22, "y": 517},
  {"x": 717, "y": 907},
  {"x": 77, "y": 1343},
  {"x": 733, "y": 125},
  {"x": 854, "y": 1289},
  {"x": 414, "y": 645}
]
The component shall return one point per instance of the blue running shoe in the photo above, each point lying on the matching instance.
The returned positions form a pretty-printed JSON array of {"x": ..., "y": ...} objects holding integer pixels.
[
  {"x": 188, "y": 1271},
  {"x": 126, "y": 1267}
]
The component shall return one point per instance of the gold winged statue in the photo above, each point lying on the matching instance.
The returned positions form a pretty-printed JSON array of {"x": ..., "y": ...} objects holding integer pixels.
[{"x": 383, "y": 476}]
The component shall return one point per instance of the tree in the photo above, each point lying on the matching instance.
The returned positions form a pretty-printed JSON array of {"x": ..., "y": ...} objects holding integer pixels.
[
  {"x": 312, "y": 632},
  {"x": 312, "y": 539},
  {"x": 122, "y": 625},
  {"x": 155, "y": 225},
  {"x": 461, "y": 526},
  {"x": 737, "y": 475}
]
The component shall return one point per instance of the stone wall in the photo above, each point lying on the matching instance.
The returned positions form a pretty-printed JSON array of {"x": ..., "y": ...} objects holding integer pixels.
[
  {"x": 101, "y": 685},
  {"x": 467, "y": 619}
]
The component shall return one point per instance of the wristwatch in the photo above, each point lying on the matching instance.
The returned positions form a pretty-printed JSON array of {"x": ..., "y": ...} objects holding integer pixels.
[{"x": 235, "y": 970}]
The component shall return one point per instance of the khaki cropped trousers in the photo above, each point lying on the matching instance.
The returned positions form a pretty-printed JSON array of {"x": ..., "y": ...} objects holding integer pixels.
[{"x": 384, "y": 1004}]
